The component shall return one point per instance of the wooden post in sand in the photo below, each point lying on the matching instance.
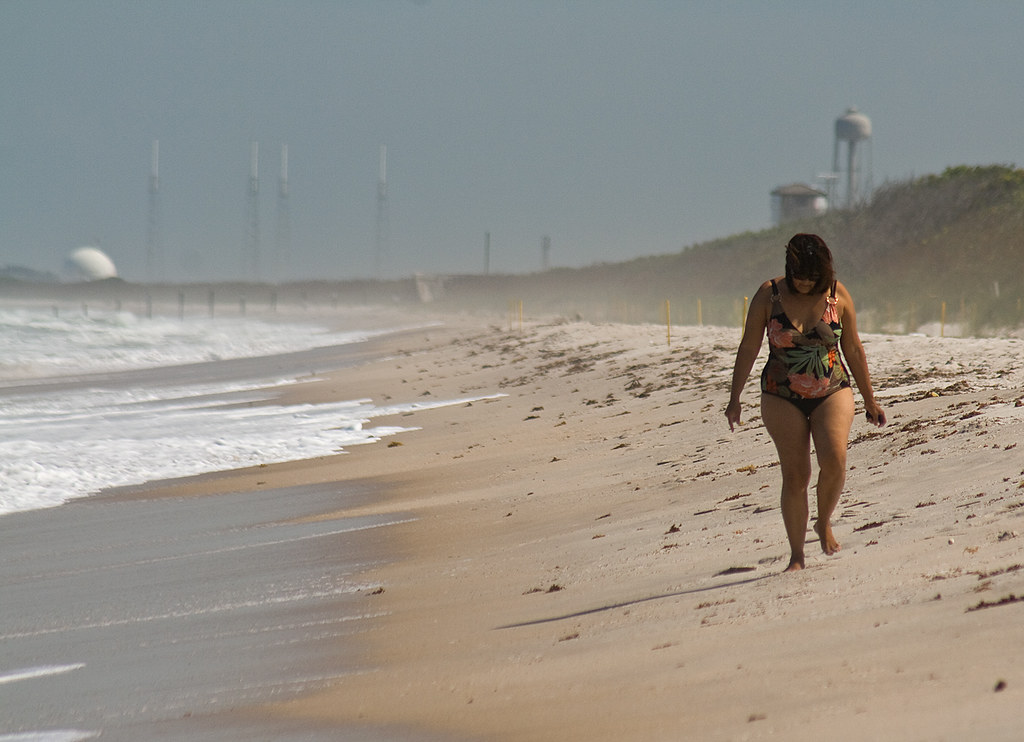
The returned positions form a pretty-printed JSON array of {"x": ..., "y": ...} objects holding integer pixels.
[
  {"x": 515, "y": 311},
  {"x": 668, "y": 323},
  {"x": 700, "y": 314},
  {"x": 942, "y": 324}
]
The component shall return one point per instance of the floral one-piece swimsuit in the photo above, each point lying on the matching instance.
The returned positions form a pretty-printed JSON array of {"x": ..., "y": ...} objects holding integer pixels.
[{"x": 804, "y": 367}]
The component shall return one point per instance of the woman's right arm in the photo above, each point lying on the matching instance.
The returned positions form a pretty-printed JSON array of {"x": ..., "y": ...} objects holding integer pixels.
[{"x": 750, "y": 347}]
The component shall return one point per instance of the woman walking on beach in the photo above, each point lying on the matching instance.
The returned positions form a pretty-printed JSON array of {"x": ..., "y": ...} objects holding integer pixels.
[{"x": 805, "y": 389}]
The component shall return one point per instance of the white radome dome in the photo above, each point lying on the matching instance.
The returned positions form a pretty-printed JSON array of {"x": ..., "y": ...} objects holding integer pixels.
[{"x": 89, "y": 264}]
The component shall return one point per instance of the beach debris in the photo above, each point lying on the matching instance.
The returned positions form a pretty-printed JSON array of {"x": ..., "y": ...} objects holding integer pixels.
[
  {"x": 749, "y": 468},
  {"x": 554, "y": 588},
  {"x": 570, "y": 637},
  {"x": 1005, "y": 600},
  {"x": 869, "y": 526},
  {"x": 602, "y": 517},
  {"x": 672, "y": 529},
  {"x": 951, "y": 541},
  {"x": 737, "y": 496},
  {"x": 393, "y": 444},
  {"x": 1000, "y": 686},
  {"x": 756, "y": 717},
  {"x": 1007, "y": 535},
  {"x": 997, "y": 572},
  {"x": 377, "y": 591}
]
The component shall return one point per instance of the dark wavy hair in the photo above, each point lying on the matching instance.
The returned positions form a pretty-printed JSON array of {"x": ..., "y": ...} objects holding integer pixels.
[{"x": 807, "y": 256}]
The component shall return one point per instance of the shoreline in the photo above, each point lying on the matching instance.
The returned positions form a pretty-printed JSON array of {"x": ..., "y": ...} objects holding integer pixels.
[{"x": 596, "y": 557}]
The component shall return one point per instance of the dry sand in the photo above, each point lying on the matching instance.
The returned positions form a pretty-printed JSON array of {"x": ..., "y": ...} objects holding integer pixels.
[{"x": 596, "y": 556}]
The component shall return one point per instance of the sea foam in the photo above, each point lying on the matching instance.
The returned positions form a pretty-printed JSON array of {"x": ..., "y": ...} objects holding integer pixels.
[{"x": 61, "y": 443}]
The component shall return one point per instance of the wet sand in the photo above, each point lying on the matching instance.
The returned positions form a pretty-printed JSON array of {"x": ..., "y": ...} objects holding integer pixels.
[
  {"x": 596, "y": 557},
  {"x": 132, "y": 613}
]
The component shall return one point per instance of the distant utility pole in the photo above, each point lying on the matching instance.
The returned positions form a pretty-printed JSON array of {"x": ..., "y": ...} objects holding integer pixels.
[
  {"x": 487, "y": 253},
  {"x": 153, "y": 221},
  {"x": 282, "y": 241},
  {"x": 545, "y": 252},
  {"x": 251, "y": 254},
  {"x": 383, "y": 226}
]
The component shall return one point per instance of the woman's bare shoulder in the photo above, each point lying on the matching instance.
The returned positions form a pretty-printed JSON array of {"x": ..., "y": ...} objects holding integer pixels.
[{"x": 766, "y": 287}]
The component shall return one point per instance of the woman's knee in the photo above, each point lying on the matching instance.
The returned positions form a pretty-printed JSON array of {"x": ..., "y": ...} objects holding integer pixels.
[
  {"x": 796, "y": 476},
  {"x": 832, "y": 462}
]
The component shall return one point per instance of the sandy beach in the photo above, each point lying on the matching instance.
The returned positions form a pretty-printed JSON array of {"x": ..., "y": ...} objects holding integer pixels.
[{"x": 594, "y": 556}]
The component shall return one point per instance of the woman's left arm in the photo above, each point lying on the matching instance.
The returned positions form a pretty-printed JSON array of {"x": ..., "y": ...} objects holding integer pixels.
[{"x": 853, "y": 351}]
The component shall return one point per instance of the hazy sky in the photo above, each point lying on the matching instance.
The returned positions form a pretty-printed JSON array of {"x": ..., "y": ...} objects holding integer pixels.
[{"x": 617, "y": 128}]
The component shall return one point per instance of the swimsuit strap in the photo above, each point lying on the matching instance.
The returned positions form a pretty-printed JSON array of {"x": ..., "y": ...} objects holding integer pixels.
[
  {"x": 776, "y": 296},
  {"x": 831, "y": 313}
]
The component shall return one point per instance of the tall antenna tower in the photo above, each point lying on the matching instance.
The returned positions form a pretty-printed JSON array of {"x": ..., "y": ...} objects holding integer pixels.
[
  {"x": 382, "y": 211},
  {"x": 283, "y": 236},
  {"x": 251, "y": 258},
  {"x": 153, "y": 220}
]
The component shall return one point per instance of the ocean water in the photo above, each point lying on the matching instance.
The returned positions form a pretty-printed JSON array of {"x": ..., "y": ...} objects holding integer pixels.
[
  {"x": 105, "y": 630},
  {"x": 59, "y": 442}
]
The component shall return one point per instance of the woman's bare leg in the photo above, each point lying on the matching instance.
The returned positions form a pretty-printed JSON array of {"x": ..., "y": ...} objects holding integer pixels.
[
  {"x": 830, "y": 430},
  {"x": 791, "y": 432}
]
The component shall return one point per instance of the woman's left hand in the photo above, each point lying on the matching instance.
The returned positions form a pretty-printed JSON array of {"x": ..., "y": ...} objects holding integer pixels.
[{"x": 874, "y": 414}]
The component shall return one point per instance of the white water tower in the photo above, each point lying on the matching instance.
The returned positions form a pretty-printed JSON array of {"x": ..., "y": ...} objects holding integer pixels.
[{"x": 852, "y": 128}]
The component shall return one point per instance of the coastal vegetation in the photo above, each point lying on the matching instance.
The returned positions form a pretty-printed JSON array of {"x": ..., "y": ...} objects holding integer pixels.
[
  {"x": 946, "y": 247},
  {"x": 934, "y": 253}
]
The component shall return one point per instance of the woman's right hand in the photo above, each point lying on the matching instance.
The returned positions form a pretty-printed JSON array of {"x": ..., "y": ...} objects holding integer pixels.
[{"x": 732, "y": 414}]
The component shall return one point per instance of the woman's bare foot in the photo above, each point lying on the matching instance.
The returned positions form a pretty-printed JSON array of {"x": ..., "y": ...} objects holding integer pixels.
[
  {"x": 795, "y": 564},
  {"x": 829, "y": 545}
]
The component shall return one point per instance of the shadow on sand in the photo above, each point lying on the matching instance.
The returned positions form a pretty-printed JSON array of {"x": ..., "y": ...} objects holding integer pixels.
[{"x": 637, "y": 601}]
